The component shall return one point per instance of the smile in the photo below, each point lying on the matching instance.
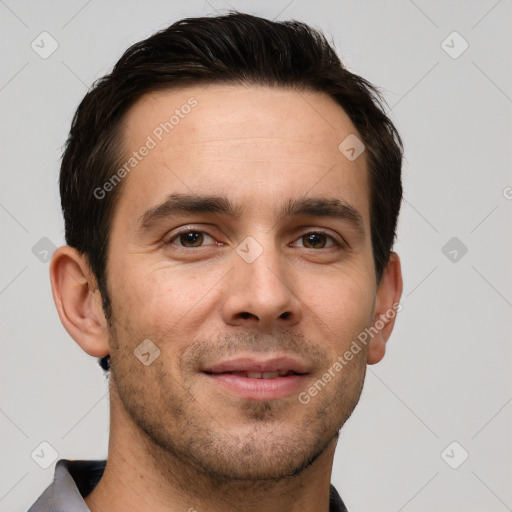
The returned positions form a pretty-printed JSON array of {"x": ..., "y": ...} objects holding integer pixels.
[{"x": 256, "y": 379}]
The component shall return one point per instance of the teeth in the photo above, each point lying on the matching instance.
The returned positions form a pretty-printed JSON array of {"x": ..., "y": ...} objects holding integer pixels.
[{"x": 265, "y": 375}]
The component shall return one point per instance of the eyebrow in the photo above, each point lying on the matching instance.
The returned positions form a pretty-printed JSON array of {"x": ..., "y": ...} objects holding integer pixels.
[{"x": 183, "y": 204}]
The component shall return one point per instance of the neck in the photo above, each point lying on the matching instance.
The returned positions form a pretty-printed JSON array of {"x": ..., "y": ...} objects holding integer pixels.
[{"x": 142, "y": 476}]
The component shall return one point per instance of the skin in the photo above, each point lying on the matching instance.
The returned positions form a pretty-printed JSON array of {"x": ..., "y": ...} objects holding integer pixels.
[{"x": 177, "y": 440}]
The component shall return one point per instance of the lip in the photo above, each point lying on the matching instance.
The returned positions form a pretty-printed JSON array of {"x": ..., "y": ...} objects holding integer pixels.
[
  {"x": 254, "y": 388},
  {"x": 252, "y": 364},
  {"x": 258, "y": 389}
]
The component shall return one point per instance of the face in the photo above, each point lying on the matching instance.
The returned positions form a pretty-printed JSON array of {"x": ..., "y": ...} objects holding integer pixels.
[{"x": 240, "y": 247}]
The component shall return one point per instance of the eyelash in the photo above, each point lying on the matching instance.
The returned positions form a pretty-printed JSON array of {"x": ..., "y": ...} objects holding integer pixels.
[{"x": 319, "y": 232}]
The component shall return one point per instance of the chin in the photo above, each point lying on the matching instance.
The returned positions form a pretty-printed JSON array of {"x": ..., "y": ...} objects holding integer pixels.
[{"x": 258, "y": 454}]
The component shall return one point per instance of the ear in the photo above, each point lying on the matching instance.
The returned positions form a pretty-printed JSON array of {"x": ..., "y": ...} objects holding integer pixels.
[
  {"x": 78, "y": 301},
  {"x": 387, "y": 306}
]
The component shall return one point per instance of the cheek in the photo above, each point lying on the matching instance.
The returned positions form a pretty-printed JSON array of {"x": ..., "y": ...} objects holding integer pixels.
[
  {"x": 162, "y": 302},
  {"x": 342, "y": 307}
]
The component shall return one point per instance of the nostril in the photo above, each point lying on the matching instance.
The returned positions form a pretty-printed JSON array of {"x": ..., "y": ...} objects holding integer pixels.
[
  {"x": 285, "y": 315},
  {"x": 245, "y": 315}
]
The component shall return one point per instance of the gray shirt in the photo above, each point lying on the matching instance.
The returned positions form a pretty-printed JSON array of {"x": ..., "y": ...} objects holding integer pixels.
[{"x": 75, "y": 479}]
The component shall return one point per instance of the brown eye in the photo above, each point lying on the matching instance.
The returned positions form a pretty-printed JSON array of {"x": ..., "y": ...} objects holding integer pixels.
[
  {"x": 189, "y": 238},
  {"x": 316, "y": 240}
]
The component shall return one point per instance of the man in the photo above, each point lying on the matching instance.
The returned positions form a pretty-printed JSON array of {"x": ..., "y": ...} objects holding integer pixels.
[{"x": 230, "y": 194}]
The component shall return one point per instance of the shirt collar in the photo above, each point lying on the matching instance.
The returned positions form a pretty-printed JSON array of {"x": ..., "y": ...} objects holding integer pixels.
[{"x": 75, "y": 479}]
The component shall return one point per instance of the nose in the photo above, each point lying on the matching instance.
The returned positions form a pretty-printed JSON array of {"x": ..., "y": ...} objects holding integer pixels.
[{"x": 261, "y": 294}]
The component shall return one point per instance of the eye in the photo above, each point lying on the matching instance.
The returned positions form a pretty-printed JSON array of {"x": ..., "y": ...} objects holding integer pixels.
[
  {"x": 317, "y": 240},
  {"x": 190, "y": 238}
]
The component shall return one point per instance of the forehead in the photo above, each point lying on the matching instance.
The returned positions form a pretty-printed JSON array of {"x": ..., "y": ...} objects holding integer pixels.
[{"x": 260, "y": 144}]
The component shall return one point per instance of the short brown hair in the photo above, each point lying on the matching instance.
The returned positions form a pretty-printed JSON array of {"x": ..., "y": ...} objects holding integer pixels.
[{"x": 236, "y": 48}]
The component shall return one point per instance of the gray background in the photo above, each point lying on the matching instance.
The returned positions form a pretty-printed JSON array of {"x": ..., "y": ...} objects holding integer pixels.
[{"x": 446, "y": 376}]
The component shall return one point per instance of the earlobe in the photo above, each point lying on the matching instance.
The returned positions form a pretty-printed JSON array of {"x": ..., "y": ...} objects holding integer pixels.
[
  {"x": 78, "y": 301},
  {"x": 387, "y": 306}
]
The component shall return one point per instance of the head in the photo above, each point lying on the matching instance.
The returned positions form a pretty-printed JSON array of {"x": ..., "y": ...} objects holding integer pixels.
[{"x": 213, "y": 138}]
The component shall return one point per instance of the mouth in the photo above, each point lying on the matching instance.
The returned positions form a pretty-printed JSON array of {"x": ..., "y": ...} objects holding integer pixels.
[
  {"x": 258, "y": 375},
  {"x": 254, "y": 379}
]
